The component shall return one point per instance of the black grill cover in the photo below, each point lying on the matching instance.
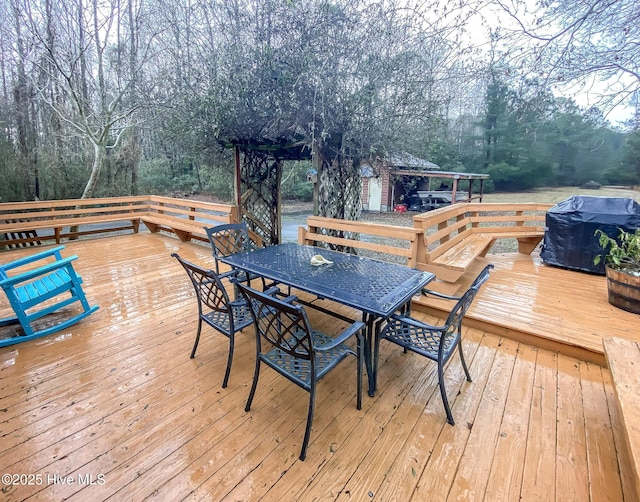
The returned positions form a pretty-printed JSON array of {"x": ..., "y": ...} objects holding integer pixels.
[{"x": 569, "y": 239}]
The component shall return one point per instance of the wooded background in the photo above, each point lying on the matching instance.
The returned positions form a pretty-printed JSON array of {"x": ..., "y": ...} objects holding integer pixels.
[{"x": 115, "y": 97}]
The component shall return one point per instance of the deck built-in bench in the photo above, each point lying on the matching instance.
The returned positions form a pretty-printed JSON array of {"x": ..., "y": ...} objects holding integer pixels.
[
  {"x": 24, "y": 223},
  {"x": 445, "y": 241},
  {"x": 623, "y": 359},
  {"x": 455, "y": 236},
  {"x": 374, "y": 237}
]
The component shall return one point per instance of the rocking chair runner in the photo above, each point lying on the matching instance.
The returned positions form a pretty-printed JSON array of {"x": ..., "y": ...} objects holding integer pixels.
[
  {"x": 296, "y": 351},
  {"x": 45, "y": 289},
  {"x": 437, "y": 343}
]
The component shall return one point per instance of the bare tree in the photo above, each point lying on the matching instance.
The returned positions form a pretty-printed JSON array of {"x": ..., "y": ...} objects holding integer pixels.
[
  {"x": 23, "y": 95},
  {"x": 81, "y": 50},
  {"x": 349, "y": 78},
  {"x": 593, "y": 44}
]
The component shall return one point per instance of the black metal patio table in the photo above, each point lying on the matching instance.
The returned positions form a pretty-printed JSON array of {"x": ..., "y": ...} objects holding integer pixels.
[{"x": 375, "y": 288}]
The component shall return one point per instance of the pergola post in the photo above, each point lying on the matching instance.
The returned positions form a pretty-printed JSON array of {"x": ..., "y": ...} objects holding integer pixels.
[
  {"x": 317, "y": 165},
  {"x": 237, "y": 184}
]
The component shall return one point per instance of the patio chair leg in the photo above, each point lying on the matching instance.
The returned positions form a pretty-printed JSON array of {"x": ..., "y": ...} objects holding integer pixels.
[
  {"x": 374, "y": 363},
  {"x": 256, "y": 375},
  {"x": 229, "y": 361},
  {"x": 443, "y": 393},
  {"x": 307, "y": 432},
  {"x": 195, "y": 345},
  {"x": 359, "y": 348},
  {"x": 464, "y": 363}
]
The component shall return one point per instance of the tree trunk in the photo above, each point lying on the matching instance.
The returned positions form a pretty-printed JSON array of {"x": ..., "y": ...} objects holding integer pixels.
[
  {"x": 99, "y": 153},
  {"x": 25, "y": 128}
]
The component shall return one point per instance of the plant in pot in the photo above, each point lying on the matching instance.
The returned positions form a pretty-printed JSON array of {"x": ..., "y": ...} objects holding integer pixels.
[{"x": 622, "y": 266}]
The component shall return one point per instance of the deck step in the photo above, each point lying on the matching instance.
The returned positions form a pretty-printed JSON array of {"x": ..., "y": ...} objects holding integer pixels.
[{"x": 623, "y": 357}]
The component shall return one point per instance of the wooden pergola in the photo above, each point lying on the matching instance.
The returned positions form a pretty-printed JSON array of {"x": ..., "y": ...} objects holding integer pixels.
[
  {"x": 257, "y": 177},
  {"x": 258, "y": 173}
]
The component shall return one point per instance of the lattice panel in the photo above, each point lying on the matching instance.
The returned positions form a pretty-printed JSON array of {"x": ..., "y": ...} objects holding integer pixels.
[
  {"x": 340, "y": 197},
  {"x": 260, "y": 180},
  {"x": 340, "y": 190}
]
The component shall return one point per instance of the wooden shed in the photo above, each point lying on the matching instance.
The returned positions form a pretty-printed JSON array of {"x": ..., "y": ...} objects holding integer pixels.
[{"x": 383, "y": 182}]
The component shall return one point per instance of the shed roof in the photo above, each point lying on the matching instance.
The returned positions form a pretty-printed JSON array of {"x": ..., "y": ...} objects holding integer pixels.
[
  {"x": 406, "y": 160},
  {"x": 399, "y": 160},
  {"x": 440, "y": 174}
]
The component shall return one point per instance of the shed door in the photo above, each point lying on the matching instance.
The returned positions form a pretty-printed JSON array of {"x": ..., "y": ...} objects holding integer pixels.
[{"x": 375, "y": 194}]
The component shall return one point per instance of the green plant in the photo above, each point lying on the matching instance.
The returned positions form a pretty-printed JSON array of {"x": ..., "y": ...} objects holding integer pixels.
[{"x": 623, "y": 253}]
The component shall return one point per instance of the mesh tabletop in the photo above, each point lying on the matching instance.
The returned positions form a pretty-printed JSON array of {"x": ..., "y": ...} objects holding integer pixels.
[{"x": 372, "y": 286}]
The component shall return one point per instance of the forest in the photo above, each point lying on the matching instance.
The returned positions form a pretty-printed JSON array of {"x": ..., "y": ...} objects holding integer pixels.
[{"x": 124, "y": 97}]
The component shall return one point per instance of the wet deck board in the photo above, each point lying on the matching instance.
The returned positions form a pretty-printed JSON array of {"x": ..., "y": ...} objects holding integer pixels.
[{"x": 118, "y": 396}]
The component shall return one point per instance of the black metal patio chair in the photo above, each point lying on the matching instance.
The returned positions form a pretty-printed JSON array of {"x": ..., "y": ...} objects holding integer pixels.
[
  {"x": 215, "y": 308},
  {"x": 437, "y": 343},
  {"x": 227, "y": 240},
  {"x": 296, "y": 351},
  {"x": 230, "y": 239}
]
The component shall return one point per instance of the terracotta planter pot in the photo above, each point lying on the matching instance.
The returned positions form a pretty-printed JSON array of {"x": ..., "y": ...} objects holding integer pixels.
[{"x": 624, "y": 290}]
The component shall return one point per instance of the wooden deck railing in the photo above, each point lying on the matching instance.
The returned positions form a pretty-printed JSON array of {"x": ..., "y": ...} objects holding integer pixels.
[
  {"x": 34, "y": 222},
  {"x": 445, "y": 241},
  {"x": 385, "y": 239}
]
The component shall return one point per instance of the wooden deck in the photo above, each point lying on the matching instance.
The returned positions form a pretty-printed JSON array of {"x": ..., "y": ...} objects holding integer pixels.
[
  {"x": 113, "y": 408},
  {"x": 550, "y": 307}
]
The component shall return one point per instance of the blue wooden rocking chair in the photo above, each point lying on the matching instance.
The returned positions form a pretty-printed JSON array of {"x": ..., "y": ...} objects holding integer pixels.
[{"x": 45, "y": 289}]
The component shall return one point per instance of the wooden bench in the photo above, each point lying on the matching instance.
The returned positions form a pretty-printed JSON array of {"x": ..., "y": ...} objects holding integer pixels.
[
  {"x": 464, "y": 251},
  {"x": 377, "y": 237},
  {"x": 445, "y": 241},
  {"x": 623, "y": 359},
  {"x": 456, "y": 235},
  {"x": 28, "y": 222},
  {"x": 188, "y": 219}
]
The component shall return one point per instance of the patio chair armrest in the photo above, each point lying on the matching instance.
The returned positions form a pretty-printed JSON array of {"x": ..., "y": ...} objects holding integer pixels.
[
  {"x": 289, "y": 299},
  {"x": 228, "y": 273},
  {"x": 272, "y": 291},
  {"x": 37, "y": 272},
  {"x": 275, "y": 291},
  {"x": 418, "y": 324},
  {"x": 348, "y": 332},
  {"x": 34, "y": 257},
  {"x": 426, "y": 291}
]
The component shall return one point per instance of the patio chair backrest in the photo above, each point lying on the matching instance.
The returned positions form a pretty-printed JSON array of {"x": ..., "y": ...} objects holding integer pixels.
[
  {"x": 228, "y": 239},
  {"x": 483, "y": 276},
  {"x": 208, "y": 286},
  {"x": 453, "y": 326},
  {"x": 282, "y": 325}
]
